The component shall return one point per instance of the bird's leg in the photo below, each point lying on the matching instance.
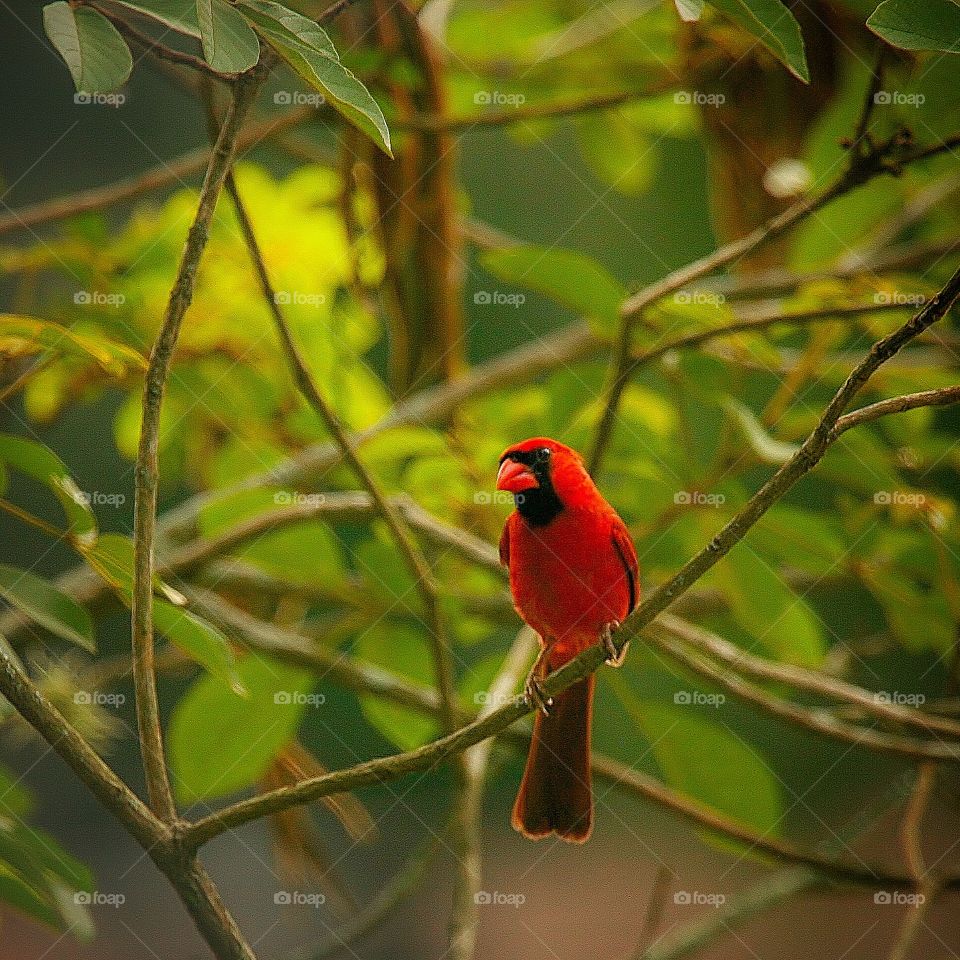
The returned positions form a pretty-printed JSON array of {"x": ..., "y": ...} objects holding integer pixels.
[
  {"x": 533, "y": 685},
  {"x": 615, "y": 657}
]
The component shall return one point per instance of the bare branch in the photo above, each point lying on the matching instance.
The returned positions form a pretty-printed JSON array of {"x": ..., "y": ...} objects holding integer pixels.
[
  {"x": 416, "y": 563},
  {"x": 467, "y": 817},
  {"x": 146, "y": 474},
  {"x": 761, "y": 669},
  {"x": 910, "y": 401},
  {"x": 926, "y": 886},
  {"x": 817, "y": 721}
]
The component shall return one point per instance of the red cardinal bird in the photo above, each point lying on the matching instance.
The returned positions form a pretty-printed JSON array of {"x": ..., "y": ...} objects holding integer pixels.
[{"x": 574, "y": 577}]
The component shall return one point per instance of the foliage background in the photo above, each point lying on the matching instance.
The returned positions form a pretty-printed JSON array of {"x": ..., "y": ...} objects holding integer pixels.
[{"x": 875, "y": 605}]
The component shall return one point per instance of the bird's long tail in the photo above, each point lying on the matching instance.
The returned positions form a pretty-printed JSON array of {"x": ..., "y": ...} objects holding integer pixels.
[{"x": 555, "y": 794}]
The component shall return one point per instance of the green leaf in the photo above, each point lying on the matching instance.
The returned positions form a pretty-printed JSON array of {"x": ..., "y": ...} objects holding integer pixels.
[
  {"x": 97, "y": 56},
  {"x": 769, "y": 610},
  {"x": 179, "y": 14},
  {"x": 308, "y": 553},
  {"x": 572, "y": 279},
  {"x": 221, "y": 742},
  {"x": 617, "y": 150},
  {"x": 47, "y": 606},
  {"x": 402, "y": 651},
  {"x": 924, "y": 25},
  {"x": 308, "y": 50},
  {"x": 201, "y": 640},
  {"x": 704, "y": 759},
  {"x": 41, "y": 463},
  {"x": 24, "y": 335},
  {"x": 774, "y": 26},
  {"x": 689, "y": 10},
  {"x": 229, "y": 45},
  {"x": 112, "y": 557},
  {"x": 767, "y": 449},
  {"x": 20, "y": 895},
  {"x": 919, "y": 619}
]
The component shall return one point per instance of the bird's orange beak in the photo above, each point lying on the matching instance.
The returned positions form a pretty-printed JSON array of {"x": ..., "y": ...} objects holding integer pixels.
[{"x": 515, "y": 477}]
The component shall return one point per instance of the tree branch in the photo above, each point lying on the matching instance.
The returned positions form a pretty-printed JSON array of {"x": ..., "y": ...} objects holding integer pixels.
[
  {"x": 926, "y": 886},
  {"x": 910, "y": 401},
  {"x": 762, "y": 669},
  {"x": 146, "y": 472}
]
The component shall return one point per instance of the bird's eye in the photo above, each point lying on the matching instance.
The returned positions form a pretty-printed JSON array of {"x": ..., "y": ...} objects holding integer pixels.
[{"x": 543, "y": 453}]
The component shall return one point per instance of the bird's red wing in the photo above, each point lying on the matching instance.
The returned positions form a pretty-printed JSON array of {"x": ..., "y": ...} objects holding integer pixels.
[
  {"x": 505, "y": 545},
  {"x": 623, "y": 545}
]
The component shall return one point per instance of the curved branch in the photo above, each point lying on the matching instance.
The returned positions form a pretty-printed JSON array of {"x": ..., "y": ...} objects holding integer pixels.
[
  {"x": 146, "y": 471},
  {"x": 762, "y": 669}
]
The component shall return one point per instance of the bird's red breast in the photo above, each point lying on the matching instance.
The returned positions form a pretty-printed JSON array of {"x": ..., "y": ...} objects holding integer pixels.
[{"x": 572, "y": 564}]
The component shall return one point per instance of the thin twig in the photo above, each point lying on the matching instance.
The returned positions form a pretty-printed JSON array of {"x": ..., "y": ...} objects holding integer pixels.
[
  {"x": 910, "y": 401},
  {"x": 817, "y": 721},
  {"x": 476, "y": 761},
  {"x": 509, "y": 116},
  {"x": 382, "y": 905},
  {"x": 146, "y": 473},
  {"x": 926, "y": 885},
  {"x": 159, "y": 50},
  {"x": 656, "y": 904},
  {"x": 802, "y": 679}
]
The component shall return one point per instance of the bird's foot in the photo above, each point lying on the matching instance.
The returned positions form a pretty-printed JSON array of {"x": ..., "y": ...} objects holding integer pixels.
[
  {"x": 534, "y": 694},
  {"x": 615, "y": 657}
]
